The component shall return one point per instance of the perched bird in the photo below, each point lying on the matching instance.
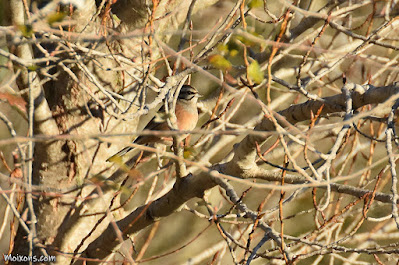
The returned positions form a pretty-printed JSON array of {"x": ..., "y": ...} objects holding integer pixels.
[{"x": 186, "y": 119}]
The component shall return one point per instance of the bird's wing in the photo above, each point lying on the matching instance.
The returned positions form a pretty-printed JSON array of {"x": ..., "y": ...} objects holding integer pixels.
[{"x": 157, "y": 123}]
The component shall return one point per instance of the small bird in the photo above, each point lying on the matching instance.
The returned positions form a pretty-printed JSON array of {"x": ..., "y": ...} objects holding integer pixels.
[{"x": 186, "y": 119}]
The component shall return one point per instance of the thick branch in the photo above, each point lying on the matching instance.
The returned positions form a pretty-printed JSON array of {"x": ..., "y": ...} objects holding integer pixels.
[
  {"x": 245, "y": 153},
  {"x": 192, "y": 187},
  {"x": 260, "y": 173},
  {"x": 188, "y": 188},
  {"x": 44, "y": 122}
]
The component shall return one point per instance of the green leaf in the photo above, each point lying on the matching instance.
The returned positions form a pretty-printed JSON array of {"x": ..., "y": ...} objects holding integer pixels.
[
  {"x": 255, "y": 3},
  {"x": 33, "y": 67},
  {"x": 188, "y": 152},
  {"x": 26, "y": 30},
  {"x": 223, "y": 48},
  {"x": 233, "y": 48},
  {"x": 55, "y": 17},
  {"x": 244, "y": 40},
  {"x": 219, "y": 62},
  {"x": 233, "y": 53},
  {"x": 255, "y": 73}
]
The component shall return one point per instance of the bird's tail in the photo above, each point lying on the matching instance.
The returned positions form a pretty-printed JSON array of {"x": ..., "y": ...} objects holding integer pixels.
[{"x": 118, "y": 156}]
